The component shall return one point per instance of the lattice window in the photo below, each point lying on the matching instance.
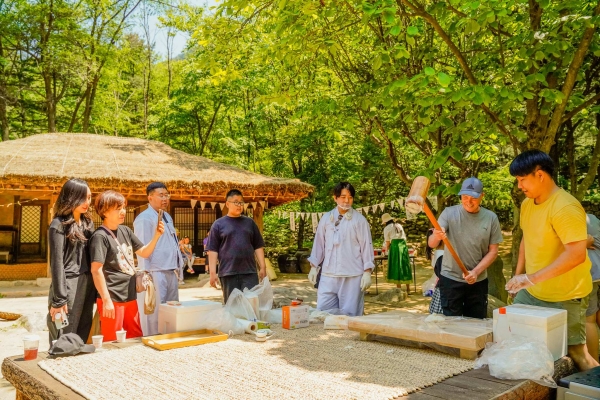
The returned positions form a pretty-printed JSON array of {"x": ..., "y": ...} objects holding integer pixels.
[
  {"x": 31, "y": 218},
  {"x": 184, "y": 222},
  {"x": 206, "y": 218}
]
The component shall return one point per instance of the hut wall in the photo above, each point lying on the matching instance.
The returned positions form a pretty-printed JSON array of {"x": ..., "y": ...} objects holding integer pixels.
[{"x": 7, "y": 219}]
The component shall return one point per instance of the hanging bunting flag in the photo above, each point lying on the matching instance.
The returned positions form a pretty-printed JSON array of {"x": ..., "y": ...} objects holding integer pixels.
[
  {"x": 392, "y": 204},
  {"x": 292, "y": 222},
  {"x": 382, "y": 206},
  {"x": 285, "y": 215},
  {"x": 193, "y": 203},
  {"x": 222, "y": 205},
  {"x": 202, "y": 205},
  {"x": 315, "y": 222},
  {"x": 254, "y": 205},
  {"x": 321, "y": 215},
  {"x": 213, "y": 204},
  {"x": 262, "y": 204},
  {"x": 401, "y": 202},
  {"x": 366, "y": 210},
  {"x": 433, "y": 201},
  {"x": 374, "y": 208},
  {"x": 245, "y": 206},
  {"x": 359, "y": 210}
]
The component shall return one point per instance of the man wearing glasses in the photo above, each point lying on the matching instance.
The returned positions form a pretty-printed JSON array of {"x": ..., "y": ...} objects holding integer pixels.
[
  {"x": 236, "y": 242},
  {"x": 344, "y": 248},
  {"x": 166, "y": 259}
]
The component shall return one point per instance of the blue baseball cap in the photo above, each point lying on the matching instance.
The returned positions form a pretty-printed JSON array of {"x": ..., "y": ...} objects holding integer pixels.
[{"x": 471, "y": 187}]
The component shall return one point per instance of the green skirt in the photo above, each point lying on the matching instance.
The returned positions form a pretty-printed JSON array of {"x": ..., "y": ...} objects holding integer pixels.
[{"x": 399, "y": 270}]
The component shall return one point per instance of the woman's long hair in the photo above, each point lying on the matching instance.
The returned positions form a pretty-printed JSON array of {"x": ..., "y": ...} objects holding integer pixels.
[{"x": 72, "y": 195}]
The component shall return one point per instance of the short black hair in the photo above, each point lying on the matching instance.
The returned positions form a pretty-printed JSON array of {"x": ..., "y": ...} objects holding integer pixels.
[
  {"x": 155, "y": 185},
  {"x": 528, "y": 161},
  {"x": 233, "y": 192},
  {"x": 337, "y": 190}
]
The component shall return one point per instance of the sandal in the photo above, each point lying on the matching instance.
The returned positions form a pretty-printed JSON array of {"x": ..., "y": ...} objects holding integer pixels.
[{"x": 191, "y": 271}]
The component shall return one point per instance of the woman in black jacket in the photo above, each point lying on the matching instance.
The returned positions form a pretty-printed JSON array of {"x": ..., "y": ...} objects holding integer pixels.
[{"x": 72, "y": 292}]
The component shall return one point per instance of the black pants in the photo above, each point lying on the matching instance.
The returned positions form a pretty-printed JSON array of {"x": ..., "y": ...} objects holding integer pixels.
[
  {"x": 461, "y": 299},
  {"x": 81, "y": 297},
  {"x": 240, "y": 281}
]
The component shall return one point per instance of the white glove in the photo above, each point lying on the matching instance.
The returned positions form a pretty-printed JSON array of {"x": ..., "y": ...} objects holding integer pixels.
[
  {"x": 517, "y": 283},
  {"x": 312, "y": 275},
  {"x": 365, "y": 281}
]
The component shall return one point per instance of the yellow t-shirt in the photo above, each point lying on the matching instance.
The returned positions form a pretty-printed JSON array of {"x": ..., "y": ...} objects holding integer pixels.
[{"x": 546, "y": 226}]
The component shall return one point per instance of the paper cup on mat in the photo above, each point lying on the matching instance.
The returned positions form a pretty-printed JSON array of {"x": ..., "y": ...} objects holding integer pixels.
[
  {"x": 97, "y": 341},
  {"x": 121, "y": 336}
]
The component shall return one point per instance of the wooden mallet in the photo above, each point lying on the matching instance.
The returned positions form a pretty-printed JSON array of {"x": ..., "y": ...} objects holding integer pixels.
[{"x": 416, "y": 202}]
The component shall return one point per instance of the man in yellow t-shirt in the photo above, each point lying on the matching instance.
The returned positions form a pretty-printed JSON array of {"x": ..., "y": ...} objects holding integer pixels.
[{"x": 553, "y": 264}]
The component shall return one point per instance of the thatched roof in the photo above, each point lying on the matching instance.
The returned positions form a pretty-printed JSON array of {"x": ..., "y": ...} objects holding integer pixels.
[{"x": 46, "y": 161}]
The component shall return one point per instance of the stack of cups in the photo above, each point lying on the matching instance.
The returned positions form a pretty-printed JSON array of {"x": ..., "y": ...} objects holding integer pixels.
[{"x": 31, "y": 344}]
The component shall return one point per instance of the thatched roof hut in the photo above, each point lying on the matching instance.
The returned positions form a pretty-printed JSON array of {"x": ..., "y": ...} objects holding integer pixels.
[
  {"x": 33, "y": 170},
  {"x": 44, "y": 162}
]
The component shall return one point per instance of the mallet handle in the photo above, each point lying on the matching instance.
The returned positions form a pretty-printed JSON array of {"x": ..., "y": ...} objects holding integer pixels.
[{"x": 449, "y": 247}]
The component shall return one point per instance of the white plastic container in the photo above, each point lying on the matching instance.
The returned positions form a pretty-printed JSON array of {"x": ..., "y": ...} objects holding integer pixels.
[
  {"x": 546, "y": 324},
  {"x": 185, "y": 317}
]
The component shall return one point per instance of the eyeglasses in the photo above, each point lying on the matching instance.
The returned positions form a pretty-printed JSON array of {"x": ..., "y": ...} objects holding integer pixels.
[
  {"x": 237, "y": 203},
  {"x": 338, "y": 220},
  {"x": 163, "y": 196}
]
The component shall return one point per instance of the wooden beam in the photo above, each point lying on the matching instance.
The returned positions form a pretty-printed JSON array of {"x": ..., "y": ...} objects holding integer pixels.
[{"x": 257, "y": 214}]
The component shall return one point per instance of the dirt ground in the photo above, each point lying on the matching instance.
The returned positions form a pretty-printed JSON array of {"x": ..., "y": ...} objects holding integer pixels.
[{"x": 286, "y": 287}]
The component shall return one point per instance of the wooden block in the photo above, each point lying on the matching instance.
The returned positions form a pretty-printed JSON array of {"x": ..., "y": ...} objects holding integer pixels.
[
  {"x": 184, "y": 339},
  {"x": 468, "y": 334}
]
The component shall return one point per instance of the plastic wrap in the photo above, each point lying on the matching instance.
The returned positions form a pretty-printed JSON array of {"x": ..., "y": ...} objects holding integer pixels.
[
  {"x": 239, "y": 306},
  {"x": 222, "y": 320},
  {"x": 458, "y": 336},
  {"x": 429, "y": 285},
  {"x": 264, "y": 292},
  {"x": 519, "y": 358},
  {"x": 33, "y": 322}
]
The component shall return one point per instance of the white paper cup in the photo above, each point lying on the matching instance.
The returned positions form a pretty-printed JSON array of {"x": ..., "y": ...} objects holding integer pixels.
[
  {"x": 97, "y": 341},
  {"x": 121, "y": 336},
  {"x": 31, "y": 344}
]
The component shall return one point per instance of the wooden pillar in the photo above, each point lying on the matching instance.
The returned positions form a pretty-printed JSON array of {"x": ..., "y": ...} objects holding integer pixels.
[
  {"x": 53, "y": 199},
  {"x": 257, "y": 214}
]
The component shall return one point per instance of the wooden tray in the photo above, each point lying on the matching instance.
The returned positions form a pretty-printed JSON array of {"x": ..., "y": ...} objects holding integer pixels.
[{"x": 184, "y": 339}]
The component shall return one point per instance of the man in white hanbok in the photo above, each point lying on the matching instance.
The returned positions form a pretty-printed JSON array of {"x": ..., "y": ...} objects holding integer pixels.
[{"x": 343, "y": 253}]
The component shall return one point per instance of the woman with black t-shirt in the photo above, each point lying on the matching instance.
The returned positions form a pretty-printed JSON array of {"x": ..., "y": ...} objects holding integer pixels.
[
  {"x": 111, "y": 253},
  {"x": 72, "y": 292}
]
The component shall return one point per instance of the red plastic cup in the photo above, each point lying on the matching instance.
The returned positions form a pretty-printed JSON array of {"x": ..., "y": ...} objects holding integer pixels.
[{"x": 31, "y": 344}]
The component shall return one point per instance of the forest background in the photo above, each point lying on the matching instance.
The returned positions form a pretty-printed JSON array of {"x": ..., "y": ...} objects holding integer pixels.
[{"x": 374, "y": 92}]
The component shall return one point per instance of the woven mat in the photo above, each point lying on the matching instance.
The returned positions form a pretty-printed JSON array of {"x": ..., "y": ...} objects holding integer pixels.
[{"x": 308, "y": 363}]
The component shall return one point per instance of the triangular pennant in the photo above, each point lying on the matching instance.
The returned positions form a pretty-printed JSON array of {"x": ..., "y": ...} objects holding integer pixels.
[
  {"x": 374, "y": 208},
  {"x": 366, "y": 210},
  {"x": 401, "y": 202},
  {"x": 359, "y": 210},
  {"x": 254, "y": 205},
  {"x": 382, "y": 206},
  {"x": 392, "y": 204},
  {"x": 213, "y": 204},
  {"x": 315, "y": 222},
  {"x": 193, "y": 203},
  {"x": 262, "y": 204},
  {"x": 202, "y": 205},
  {"x": 321, "y": 215},
  {"x": 245, "y": 206},
  {"x": 222, "y": 205},
  {"x": 292, "y": 222}
]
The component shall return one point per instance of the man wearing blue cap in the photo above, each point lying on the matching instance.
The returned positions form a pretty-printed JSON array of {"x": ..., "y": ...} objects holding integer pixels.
[{"x": 475, "y": 234}]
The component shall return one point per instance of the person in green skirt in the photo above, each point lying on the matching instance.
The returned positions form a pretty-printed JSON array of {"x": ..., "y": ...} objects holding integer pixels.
[{"x": 394, "y": 238}]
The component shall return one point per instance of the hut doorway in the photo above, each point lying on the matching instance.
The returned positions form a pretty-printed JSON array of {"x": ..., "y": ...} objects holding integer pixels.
[
  {"x": 31, "y": 218},
  {"x": 194, "y": 222}
]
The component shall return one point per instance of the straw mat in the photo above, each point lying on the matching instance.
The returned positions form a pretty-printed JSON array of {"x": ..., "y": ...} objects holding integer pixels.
[{"x": 308, "y": 363}]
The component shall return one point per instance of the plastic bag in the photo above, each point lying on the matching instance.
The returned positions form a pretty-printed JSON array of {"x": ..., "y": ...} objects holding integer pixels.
[
  {"x": 264, "y": 292},
  {"x": 221, "y": 320},
  {"x": 519, "y": 357},
  {"x": 429, "y": 285},
  {"x": 34, "y": 322},
  {"x": 273, "y": 316},
  {"x": 318, "y": 316},
  {"x": 239, "y": 306}
]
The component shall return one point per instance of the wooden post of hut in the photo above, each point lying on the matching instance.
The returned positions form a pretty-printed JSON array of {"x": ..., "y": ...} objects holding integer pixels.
[{"x": 257, "y": 215}]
